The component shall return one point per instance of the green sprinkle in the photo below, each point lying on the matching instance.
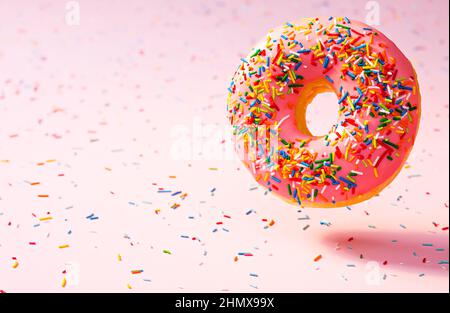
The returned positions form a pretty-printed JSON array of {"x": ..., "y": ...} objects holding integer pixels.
[
  {"x": 285, "y": 142},
  {"x": 342, "y": 26},
  {"x": 256, "y": 53},
  {"x": 386, "y": 141}
]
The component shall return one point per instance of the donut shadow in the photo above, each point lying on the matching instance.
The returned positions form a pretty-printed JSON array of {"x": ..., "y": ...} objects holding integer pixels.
[{"x": 411, "y": 252}]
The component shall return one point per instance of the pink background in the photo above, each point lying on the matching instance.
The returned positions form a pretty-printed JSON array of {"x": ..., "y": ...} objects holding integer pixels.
[{"x": 103, "y": 98}]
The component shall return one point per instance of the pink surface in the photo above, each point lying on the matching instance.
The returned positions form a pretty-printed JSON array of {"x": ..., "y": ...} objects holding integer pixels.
[{"x": 110, "y": 100}]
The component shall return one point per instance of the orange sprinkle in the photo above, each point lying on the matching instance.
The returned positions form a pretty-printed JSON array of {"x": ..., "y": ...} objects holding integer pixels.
[
  {"x": 375, "y": 172},
  {"x": 317, "y": 258}
]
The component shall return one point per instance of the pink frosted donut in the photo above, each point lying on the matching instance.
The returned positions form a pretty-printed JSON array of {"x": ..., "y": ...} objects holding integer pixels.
[{"x": 378, "y": 118}]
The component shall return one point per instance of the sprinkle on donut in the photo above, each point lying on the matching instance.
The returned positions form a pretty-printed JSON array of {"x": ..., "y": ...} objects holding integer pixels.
[{"x": 379, "y": 111}]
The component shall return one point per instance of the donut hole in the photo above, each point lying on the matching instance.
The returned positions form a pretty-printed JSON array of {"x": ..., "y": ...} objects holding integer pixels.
[
  {"x": 317, "y": 109},
  {"x": 321, "y": 114}
]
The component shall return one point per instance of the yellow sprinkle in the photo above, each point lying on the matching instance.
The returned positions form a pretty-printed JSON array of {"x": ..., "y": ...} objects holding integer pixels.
[
  {"x": 292, "y": 76},
  {"x": 129, "y": 286},
  {"x": 346, "y": 152},
  {"x": 323, "y": 176},
  {"x": 266, "y": 86},
  {"x": 63, "y": 246},
  {"x": 46, "y": 218},
  {"x": 15, "y": 265},
  {"x": 280, "y": 58},
  {"x": 64, "y": 282},
  {"x": 119, "y": 257}
]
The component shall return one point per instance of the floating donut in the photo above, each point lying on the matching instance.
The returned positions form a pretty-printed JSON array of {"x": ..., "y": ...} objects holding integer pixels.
[{"x": 378, "y": 117}]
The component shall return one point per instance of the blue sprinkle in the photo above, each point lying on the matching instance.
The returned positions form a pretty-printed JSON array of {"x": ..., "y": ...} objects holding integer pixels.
[
  {"x": 276, "y": 179},
  {"x": 326, "y": 61},
  {"x": 350, "y": 184},
  {"x": 343, "y": 97},
  {"x": 329, "y": 79}
]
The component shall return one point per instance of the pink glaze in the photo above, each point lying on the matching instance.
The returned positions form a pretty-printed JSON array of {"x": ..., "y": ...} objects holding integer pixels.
[{"x": 368, "y": 168}]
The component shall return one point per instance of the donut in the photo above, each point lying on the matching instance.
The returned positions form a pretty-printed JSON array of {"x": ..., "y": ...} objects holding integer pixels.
[{"x": 378, "y": 114}]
